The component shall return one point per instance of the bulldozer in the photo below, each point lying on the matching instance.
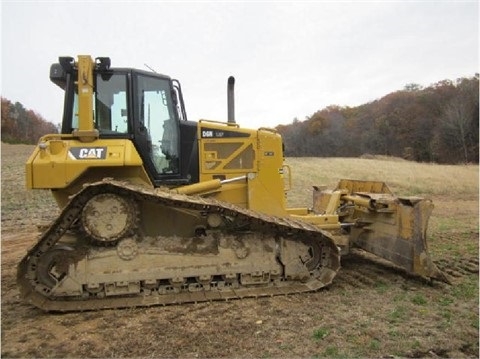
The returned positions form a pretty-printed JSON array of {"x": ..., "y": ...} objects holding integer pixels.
[{"x": 156, "y": 209}]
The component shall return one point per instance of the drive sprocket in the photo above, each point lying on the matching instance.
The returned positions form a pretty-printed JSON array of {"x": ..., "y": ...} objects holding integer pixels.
[{"x": 107, "y": 217}]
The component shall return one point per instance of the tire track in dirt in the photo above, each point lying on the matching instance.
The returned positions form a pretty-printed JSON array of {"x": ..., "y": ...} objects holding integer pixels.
[
  {"x": 363, "y": 270},
  {"x": 458, "y": 267}
]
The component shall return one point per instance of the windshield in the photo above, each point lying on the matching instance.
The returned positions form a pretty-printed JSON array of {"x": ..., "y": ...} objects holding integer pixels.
[{"x": 110, "y": 105}]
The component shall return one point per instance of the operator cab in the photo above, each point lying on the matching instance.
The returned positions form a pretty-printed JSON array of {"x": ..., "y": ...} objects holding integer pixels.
[{"x": 144, "y": 107}]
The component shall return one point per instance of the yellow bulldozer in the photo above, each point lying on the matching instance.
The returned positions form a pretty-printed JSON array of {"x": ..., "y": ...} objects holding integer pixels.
[{"x": 157, "y": 209}]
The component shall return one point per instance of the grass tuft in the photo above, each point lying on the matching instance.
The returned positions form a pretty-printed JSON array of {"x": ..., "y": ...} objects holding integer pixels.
[
  {"x": 419, "y": 299},
  {"x": 320, "y": 333}
]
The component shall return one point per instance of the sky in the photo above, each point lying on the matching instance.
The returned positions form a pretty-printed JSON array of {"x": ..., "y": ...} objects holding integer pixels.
[{"x": 289, "y": 59}]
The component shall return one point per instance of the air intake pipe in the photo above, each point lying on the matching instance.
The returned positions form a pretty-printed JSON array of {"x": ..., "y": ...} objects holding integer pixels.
[{"x": 231, "y": 99}]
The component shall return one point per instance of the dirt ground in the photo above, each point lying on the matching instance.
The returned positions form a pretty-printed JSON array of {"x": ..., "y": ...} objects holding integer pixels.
[{"x": 371, "y": 310}]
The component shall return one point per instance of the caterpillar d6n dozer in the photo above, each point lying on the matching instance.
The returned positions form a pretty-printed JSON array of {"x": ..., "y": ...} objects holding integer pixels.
[{"x": 157, "y": 210}]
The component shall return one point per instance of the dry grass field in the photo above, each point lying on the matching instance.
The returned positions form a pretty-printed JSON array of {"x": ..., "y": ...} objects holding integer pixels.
[{"x": 372, "y": 309}]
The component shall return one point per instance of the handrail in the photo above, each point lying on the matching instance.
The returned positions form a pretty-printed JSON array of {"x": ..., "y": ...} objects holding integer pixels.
[{"x": 221, "y": 123}]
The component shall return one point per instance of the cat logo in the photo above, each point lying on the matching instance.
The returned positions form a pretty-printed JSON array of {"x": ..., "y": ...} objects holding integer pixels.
[{"x": 87, "y": 153}]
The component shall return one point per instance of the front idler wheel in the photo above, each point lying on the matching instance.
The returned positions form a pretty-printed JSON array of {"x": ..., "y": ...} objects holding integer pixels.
[{"x": 53, "y": 266}]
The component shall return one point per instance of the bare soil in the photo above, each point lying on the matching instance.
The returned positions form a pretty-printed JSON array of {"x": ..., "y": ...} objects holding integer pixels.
[{"x": 371, "y": 310}]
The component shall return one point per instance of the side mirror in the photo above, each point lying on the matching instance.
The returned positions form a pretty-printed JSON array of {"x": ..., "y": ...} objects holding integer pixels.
[{"x": 58, "y": 75}]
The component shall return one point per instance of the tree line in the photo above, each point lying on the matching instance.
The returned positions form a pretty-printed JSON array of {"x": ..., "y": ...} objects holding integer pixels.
[
  {"x": 438, "y": 123},
  {"x": 20, "y": 125}
]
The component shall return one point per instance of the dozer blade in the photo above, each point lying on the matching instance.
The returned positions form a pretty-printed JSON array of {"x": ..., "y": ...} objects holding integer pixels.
[
  {"x": 403, "y": 242},
  {"x": 393, "y": 228}
]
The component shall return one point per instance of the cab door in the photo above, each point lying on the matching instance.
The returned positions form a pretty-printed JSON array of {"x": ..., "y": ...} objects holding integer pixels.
[{"x": 156, "y": 127}]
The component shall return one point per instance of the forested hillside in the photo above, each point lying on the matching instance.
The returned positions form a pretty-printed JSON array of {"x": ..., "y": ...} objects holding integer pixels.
[
  {"x": 438, "y": 123},
  {"x": 20, "y": 125}
]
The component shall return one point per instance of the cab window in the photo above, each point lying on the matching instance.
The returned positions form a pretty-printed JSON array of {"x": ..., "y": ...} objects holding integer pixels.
[
  {"x": 110, "y": 105},
  {"x": 157, "y": 117}
]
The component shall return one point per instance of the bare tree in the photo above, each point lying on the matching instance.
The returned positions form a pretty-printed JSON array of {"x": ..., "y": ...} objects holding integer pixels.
[{"x": 458, "y": 120}]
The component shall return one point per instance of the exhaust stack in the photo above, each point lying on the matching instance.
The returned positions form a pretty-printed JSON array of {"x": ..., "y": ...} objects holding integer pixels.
[{"x": 231, "y": 99}]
